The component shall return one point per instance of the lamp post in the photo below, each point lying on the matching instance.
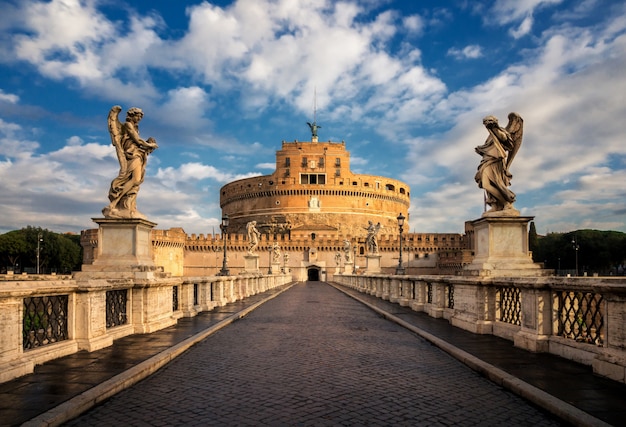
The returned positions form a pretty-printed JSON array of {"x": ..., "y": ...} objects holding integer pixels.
[
  {"x": 576, "y": 247},
  {"x": 354, "y": 258},
  {"x": 224, "y": 226},
  {"x": 39, "y": 240},
  {"x": 400, "y": 269}
]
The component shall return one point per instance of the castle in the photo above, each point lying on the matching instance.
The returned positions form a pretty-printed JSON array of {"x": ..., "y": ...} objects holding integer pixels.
[{"x": 309, "y": 208}]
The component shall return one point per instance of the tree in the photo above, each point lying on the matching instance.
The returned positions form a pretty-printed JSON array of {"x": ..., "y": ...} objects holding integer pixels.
[
  {"x": 13, "y": 247},
  {"x": 57, "y": 252},
  {"x": 597, "y": 251},
  {"x": 532, "y": 237}
]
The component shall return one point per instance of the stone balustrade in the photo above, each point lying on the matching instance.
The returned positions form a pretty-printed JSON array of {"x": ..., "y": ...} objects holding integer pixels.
[
  {"x": 41, "y": 320},
  {"x": 581, "y": 319}
]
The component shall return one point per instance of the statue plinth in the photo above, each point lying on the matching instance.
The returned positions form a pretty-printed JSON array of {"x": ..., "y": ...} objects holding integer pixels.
[
  {"x": 124, "y": 245},
  {"x": 275, "y": 268},
  {"x": 372, "y": 263},
  {"x": 251, "y": 263},
  {"x": 501, "y": 247},
  {"x": 348, "y": 267}
]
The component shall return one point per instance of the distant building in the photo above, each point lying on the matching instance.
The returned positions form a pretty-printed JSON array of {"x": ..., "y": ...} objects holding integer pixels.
[{"x": 310, "y": 206}]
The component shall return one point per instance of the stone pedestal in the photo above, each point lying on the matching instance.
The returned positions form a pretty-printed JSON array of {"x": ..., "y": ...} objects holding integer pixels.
[
  {"x": 348, "y": 268},
  {"x": 124, "y": 245},
  {"x": 275, "y": 268},
  {"x": 501, "y": 248},
  {"x": 251, "y": 263},
  {"x": 372, "y": 263}
]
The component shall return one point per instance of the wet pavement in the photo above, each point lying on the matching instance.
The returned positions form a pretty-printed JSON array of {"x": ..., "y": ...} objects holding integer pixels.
[{"x": 314, "y": 356}]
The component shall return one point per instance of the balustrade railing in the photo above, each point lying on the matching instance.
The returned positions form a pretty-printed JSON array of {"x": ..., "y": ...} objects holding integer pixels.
[
  {"x": 37, "y": 326},
  {"x": 116, "y": 302},
  {"x": 509, "y": 307},
  {"x": 580, "y": 316},
  {"x": 174, "y": 298},
  {"x": 577, "y": 318},
  {"x": 450, "y": 295},
  {"x": 45, "y": 320}
]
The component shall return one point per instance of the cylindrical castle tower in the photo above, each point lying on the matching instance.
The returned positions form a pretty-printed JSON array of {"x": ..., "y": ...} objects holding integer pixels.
[{"x": 313, "y": 190}]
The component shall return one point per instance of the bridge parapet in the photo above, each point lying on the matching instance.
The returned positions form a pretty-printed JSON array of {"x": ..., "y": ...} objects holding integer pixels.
[
  {"x": 581, "y": 319},
  {"x": 46, "y": 319}
]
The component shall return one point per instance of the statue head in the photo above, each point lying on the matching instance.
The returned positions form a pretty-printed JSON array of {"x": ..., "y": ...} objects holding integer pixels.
[
  {"x": 490, "y": 121},
  {"x": 134, "y": 112}
]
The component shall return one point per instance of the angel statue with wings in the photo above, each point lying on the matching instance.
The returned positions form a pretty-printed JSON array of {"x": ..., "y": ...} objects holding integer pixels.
[
  {"x": 132, "y": 153},
  {"x": 497, "y": 153}
]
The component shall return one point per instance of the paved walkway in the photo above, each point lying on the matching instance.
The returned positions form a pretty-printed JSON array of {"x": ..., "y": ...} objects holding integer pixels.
[{"x": 314, "y": 356}]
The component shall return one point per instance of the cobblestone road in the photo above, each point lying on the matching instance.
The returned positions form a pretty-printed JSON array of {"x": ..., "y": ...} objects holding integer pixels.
[{"x": 315, "y": 357}]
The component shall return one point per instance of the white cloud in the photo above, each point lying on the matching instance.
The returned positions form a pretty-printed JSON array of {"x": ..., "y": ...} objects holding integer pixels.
[
  {"x": 270, "y": 166},
  {"x": 8, "y": 97},
  {"x": 413, "y": 24},
  {"x": 516, "y": 12},
  {"x": 468, "y": 52}
]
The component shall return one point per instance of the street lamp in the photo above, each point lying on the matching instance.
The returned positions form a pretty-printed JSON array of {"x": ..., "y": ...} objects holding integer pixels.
[
  {"x": 356, "y": 242},
  {"x": 576, "y": 247},
  {"x": 400, "y": 269},
  {"x": 224, "y": 226},
  {"x": 39, "y": 240}
]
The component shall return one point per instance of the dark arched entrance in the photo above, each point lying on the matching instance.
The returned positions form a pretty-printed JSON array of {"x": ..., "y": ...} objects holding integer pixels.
[{"x": 313, "y": 274}]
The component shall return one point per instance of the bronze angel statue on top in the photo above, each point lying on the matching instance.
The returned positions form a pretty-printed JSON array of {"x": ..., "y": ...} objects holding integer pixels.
[
  {"x": 132, "y": 153},
  {"x": 498, "y": 153}
]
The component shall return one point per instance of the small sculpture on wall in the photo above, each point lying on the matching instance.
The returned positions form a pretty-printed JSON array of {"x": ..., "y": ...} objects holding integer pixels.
[
  {"x": 371, "y": 240},
  {"x": 347, "y": 250},
  {"x": 275, "y": 254},
  {"x": 253, "y": 236},
  {"x": 497, "y": 153}
]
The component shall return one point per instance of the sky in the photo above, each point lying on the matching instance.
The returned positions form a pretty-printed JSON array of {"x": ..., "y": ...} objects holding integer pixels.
[{"x": 405, "y": 84}]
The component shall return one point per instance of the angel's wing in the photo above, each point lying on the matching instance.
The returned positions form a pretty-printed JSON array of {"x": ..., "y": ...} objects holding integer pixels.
[
  {"x": 115, "y": 130},
  {"x": 515, "y": 128}
]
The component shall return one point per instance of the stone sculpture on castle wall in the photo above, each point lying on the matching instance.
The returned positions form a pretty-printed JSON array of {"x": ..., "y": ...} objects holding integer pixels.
[
  {"x": 347, "y": 250},
  {"x": 497, "y": 153},
  {"x": 371, "y": 240},
  {"x": 132, "y": 154},
  {"x": 275, "y": 254},
  {"x": 253, "y": 236}
]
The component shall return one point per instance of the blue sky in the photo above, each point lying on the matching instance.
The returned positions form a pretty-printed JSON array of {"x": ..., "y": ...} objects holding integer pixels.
[{"x": 405, "y": 84}]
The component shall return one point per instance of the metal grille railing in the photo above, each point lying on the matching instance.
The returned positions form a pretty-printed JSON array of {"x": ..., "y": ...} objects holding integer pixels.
[
  {"x": 450, "y": 295},
  {"x": 580, "y": 316},
  {"x": 510, "y": 306},
  {"x": 430, "y": 293},
  {"x": 44, "y": 321},
  {"x": 175, "y": 298},
  {"x": 117, "y": 301}
]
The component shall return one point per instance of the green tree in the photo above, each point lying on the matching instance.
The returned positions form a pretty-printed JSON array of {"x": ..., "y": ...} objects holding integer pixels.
[
  {"x": 597, "y": 251},
  {"x": 532, "y": 237},
  {"x": 13, "y": 247},
  {"x": 57, "y": 252}
]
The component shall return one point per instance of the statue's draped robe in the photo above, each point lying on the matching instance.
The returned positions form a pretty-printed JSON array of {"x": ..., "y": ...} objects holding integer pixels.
[
  {"x": 492, "y": 170},
  {"x": 136, "y": 157}
]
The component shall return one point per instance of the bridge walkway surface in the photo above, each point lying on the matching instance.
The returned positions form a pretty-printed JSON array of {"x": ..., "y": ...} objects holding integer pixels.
[{"x": 310, "y": 355}]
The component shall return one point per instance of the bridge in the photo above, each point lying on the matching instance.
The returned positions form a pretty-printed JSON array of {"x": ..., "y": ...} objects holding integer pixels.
[{"x": 359, "y": 352}]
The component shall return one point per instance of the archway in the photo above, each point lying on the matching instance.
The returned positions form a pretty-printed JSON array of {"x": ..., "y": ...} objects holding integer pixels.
[{"x": 313, "y": 274}]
